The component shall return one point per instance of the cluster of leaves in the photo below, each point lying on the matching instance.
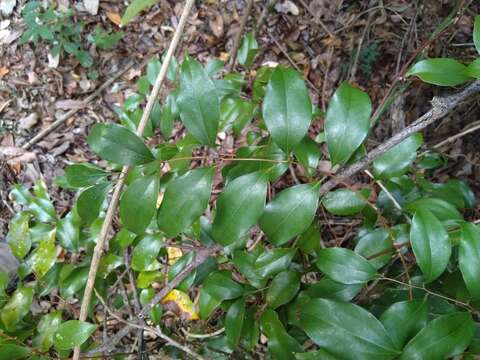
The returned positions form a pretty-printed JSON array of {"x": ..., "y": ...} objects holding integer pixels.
[
  {"x": 290, "y": 287},
  {"x": 64, "y": 34}
]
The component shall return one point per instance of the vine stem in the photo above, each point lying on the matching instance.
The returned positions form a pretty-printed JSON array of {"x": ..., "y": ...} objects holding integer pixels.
[{"x": 103, "y": 237}]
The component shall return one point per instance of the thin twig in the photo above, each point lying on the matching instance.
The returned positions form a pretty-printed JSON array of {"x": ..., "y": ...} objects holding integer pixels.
[
  {"x": 204, "y": 336},
  {"x": 41, "y": 134},
  {"x": 102, "y": 239},
  {"x": 441, "y": 106},
  {"x": 316, "y": 18},
  {"x": 238, "y": 35},
  {"x": 263, "y": 16},
  {"x": 353, "y": 71}
]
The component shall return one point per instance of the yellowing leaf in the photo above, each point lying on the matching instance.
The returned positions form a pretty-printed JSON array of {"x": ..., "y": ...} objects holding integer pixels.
[
  {"x": 174, "y": 254},
  {"x": 115, "y": 18},
  {"x": 182, "y": 305}
]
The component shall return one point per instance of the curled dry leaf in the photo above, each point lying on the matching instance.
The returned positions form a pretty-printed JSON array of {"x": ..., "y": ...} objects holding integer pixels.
[{"x": 15, "y": 156}]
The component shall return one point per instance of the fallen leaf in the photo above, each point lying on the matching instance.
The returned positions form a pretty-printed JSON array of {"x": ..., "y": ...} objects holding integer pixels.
[
  {"x": 114, "y": 17},
  {"x": 91, "y": 6},
  {"x": 217, "y": 25},
  {"x": 28, "y": 122},
  {"x": 179, "y": 302},
  {"x": 3, "y": 71},
  {"x": 15, "y": 156},
  {"x": 287, "y": 7},
  {"x": 174, "y": 254},
  {"x": 69, "y": 104},
  {"x": 6, "y": 6}
]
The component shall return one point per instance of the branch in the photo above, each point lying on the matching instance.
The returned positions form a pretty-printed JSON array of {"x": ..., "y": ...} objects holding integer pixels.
[
  {"x": 202, "y": 254},
  {"x": 238, "y": 35},
  {"x": 441, "y": 106},
  {"x": 102, "y": 239}
]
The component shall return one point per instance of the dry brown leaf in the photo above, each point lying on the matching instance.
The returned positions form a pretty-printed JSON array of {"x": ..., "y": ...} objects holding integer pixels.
[
  {"x": 217, "y": 25},
  {"x": 15, "y": 156},
  {"x": 3, "y": 71},
  {"x": 114, "y": 17}
]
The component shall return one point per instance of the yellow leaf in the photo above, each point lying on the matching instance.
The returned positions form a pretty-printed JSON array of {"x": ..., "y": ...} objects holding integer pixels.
[
  {"x": 182, "y": 305},
  {"x": 174, "y": 254}
]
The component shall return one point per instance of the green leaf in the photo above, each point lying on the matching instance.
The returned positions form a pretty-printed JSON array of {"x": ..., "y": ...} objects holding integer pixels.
[
  {"x": 68, "y": 231},
  {"x": 396, "y": 161},
  {"x": 134, "y": 8},
  {"x": 442, "y": 338},
  {"x": 283, "y": 288},
  {"x": 251, "y": 329},
  {"x": 476, "y": 33},
  {"x": 469, "y": 258},
  {"x": 405, "y": 319},
  {"x": 239, "y": 207},
  {"x": 347, "y": 122},
  {"x": 15, "y": 352},
  {"x": 244, "y": 261},
  {"x": 290, "y": 213},
  {"x": 90, "y": 201},
  {"x": 270, "y": 263},
  {"x": 287, "y": 110},
  {"x": 40, "y": 204},
  {"x": 440, "y": 71},
  {"x": 109, "y": 263},
  {"x": 139, "y": 202},
  {"x": 198, "y": 102},
  {"x": 46, "y": 328},
  {"x": 144, "y": 257},
  {"x": 343, "y": 202},
  {"x": 473, "y": 69},
  {"x": 153, "y": 68},
  {"x": 310, "y": 240},
  {"x": 18, "y": 237},
  {"x": 17, "y": 307},
  {"x": 376, "y": 244},
  {"x": 281, "y": 345},
  {"x": 330, "y": 323},
  {"x": 185, "y": 200},
  {"x": 345, "y": 266},
  {"x": 84, "y": 175},
  {"x": 207, "y": 304},
  {"x": 44, "y": 255},
  {"x": 72, "y": 333},
  {"x": 146, "y": 295},
  {"x": 219, "y": 285},
  {"x": 74, "y": 282},
  {"x": 308, "y": 154},
  {"x": 234, "y": 322},
  {"x": 330, "y": 289},
  {"x": 315, "y": 355},
  {"x": 248, "y": 50},
  {"x": 114, "y": 143},
  {"x": 441, "y": 209},
  {"x": 430, "y": 244}
]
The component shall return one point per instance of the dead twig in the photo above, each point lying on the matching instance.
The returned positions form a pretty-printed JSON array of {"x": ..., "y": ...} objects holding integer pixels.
[
  {"x": 102, "y": 239},
  {"x": 263, "y": 16},
  {"x": 238, "y": 35}
]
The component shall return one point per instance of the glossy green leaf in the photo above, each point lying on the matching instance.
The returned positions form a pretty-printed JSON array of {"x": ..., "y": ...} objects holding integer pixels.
[
  {"x": 134, "y": 8},
  {"x": 84, "y": 175},
  {"x": 281, "y": 345},
  {"x": 72, "y": 333},
  {"x": 108, "y": 263},
  {"x": 251, "y": 329},
  {"x": 441, "y": 209},
  {"x": 17, "y": 307},
  {"x": 244, "y": 261},
  {"x": 198, "y": 102},
  {"x": 473, "y": 69},
  {"x": 287, "y": 110},
  {"x": 234, "y": 322},
  {"x": 330, "y": 323},
  {"x": 440, "y": 71},
  {"x": 270, "y": 263},
  {"x": 343, "y": 202},
  {"x": 185, "y": 200},
  {"x": 376, "y": 246},
  {"x": 396, "y": 161},
  {"x": 290, "y": 213},
  {"x": 239, "y": 207},
  {"x": 310, "y": 240},
  {"x": 283, "y": 288},
  {"x": 442, "y": 338},
  {"x": 44, "y": 256},
  {"x": 430, "y": 244},
  {"x": 347, "y": 122},
  {"x": 207, "y": 304},
  {"x": 219, "y": 285},
  {"x": 179, "y": 265},
  {"x": 146, "y": 295},
  {"x": 144, "y": 257},
  {"x": 90, "y": 201},
  {"x": 46, "y": 328},
  {"x": 235, "y": 113},
  {"x": 330, "y": 289},
  {"x": 308, "y": 154},
  {"x": 345, "y": 266},
  {"x": 469, "y": 258},
  {"x": 115, "y": 143},
  {"x": 248, "y": 50},
  {"x": 68, "y": 231},
  {"x": 405, "y": 319},
  {"x": 169, "y": 114},
  {"x": 40, "y": 204},
  {"x": 476, "y": 33},
  {"x": 18, "y": 237},
  {"x": 138, "y": 203},
  {"x": 74, "y": 282},
  {"x": 315, "y": 355},
  {"x": 10, "y": 351}
]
